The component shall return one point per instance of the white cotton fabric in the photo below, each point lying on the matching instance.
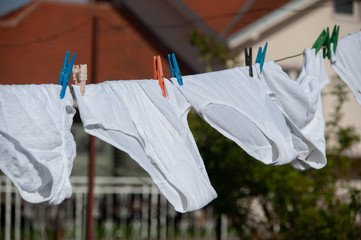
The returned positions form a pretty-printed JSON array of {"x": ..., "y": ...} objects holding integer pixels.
[
  {"x": 37, "y": 149},
  {"x": 133, "y": 116},
  {"x": 300, "y": 101},
  {"x": 347, "y": 62},
  {"x": 238, "y": 107}
]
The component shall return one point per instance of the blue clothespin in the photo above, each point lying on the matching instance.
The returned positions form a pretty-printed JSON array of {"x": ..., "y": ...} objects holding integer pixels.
[
  {"x": 174, "y": 69},
  {"x": 172, "y": 73},
  {"x": 65, "y": 73},
  {"x": 261, "y": 56}
]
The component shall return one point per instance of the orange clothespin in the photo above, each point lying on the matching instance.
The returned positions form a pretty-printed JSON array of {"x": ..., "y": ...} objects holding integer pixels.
[
  {"x": 80, "y": 76},
  {"x": 158, "y": 73}
]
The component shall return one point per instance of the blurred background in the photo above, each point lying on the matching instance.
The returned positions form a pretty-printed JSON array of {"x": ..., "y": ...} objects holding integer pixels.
[{"x": 117, "y": 39}]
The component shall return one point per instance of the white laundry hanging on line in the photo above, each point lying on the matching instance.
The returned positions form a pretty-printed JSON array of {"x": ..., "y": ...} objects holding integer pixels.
[
  {"x": 347, "y": 62},
  {"x": 37, "y": 149},
  {"x": 133, "y": 116},
  {"x": 300, "y": 101},
  {"x": 237, "y": 106}
]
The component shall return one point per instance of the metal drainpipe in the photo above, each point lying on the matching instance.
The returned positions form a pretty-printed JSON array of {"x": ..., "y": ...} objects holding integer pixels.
[{"x": 92, "y": 143}]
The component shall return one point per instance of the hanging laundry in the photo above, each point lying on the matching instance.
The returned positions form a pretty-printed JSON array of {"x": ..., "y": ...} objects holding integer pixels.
[
  {"x": 347, "y": 62},
  {"x": 133, "y": 116},
  {"x": 300, "y": 101},
  {"x": 236, "y": 105},
  {"x": 37, "y": 149}
]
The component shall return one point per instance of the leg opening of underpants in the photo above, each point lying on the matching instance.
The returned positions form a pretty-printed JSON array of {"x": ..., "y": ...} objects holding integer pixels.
[
  {"x": 134, "y": 147},
  {"x": 24, "y": 170},
  {"x": 243, "y": 131}
]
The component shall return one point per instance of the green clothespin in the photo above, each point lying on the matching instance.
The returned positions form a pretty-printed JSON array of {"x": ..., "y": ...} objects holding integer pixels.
[
  {"x": 334, "y": 37},
  {"x": 324, "y": 40},
  {"x": 320, "y": 41},
  {"x": 326, "y": 44}
]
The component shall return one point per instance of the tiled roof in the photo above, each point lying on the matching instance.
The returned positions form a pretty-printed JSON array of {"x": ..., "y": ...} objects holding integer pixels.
[
  {"x": 257, "y": 11},
  {"x": 216, "y": 13},
  {"x": 33, "y": 51},
  {"x": 229, "y": 16}
]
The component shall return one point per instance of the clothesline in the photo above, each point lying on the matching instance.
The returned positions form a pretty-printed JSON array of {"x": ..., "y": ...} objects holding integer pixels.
[
  {"x": 293, "y": 56},
  {"x": 274, "y": 120},
  {"x": 285, "y": 58},
  {"x": 153, "y": 130}
]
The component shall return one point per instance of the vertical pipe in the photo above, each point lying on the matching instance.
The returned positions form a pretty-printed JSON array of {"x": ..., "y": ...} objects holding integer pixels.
[
  {"x": 78, "y": 217},
  {"x": 8, "y": 192},
  {"x": 145, "y": 211},
  {"x": 92, "y": 147},
  {"x": 91, "y": 176},
  {"x": 17, "y": 216},
  {"x": 1, "y": 197}
]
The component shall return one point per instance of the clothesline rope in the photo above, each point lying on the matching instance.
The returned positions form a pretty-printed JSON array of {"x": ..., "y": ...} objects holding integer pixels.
[{"x": 285, "y": 58}]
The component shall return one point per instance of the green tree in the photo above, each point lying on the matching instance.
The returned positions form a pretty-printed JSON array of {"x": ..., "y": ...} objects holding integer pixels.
[
  {"x": 292, "y": 204},
  {"x": 210, "y": 51}
]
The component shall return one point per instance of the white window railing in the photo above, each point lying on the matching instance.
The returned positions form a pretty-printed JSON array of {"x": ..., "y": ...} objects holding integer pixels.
[{"x": 124, "y": 208}]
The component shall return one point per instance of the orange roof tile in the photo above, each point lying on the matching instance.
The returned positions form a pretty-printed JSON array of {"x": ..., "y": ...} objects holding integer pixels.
[
  {"x": 216, "y": 13},
  {"x": 257, "y": 11},
  {"x": 219, "y": 14}
]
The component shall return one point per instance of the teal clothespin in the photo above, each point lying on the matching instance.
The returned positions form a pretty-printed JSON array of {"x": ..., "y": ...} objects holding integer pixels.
[
  {"x": 174, "y": 68},
  {"x": 261, "y": 56},
  {"x": 172, "y": 73},
  {"x": 65, "y": 73}
]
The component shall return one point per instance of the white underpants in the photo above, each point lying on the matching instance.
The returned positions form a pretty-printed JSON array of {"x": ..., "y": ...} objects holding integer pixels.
[
  {"x": 133, "y": 116},
  {"x": 347, "y": 62},
  {"x": 37, "y": 149},
  {"x": 236, "y": 105},
  {"x": 300, "y": 101}
]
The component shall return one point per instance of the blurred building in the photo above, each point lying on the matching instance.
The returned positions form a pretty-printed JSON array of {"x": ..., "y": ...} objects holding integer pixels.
[
  {"x": 117, "y": 39},
  {"x": 33, "y": 42},
  {"x": 35, "y": 37},
  {"x": 289, "y": 26}
]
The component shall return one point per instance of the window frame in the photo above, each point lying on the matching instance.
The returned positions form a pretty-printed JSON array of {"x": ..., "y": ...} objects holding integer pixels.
[{"x": 354, "y": 17}]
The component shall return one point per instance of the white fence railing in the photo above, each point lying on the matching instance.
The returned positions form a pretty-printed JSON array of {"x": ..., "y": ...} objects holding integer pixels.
[{"x": 124, "y": 208}]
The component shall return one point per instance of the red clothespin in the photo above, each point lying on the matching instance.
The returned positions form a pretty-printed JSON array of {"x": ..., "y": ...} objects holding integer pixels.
[{"x": 158, "y": 73}]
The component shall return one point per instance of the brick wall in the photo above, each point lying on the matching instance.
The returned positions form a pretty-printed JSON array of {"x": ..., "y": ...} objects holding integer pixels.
[{"x": 33, "y": 51}]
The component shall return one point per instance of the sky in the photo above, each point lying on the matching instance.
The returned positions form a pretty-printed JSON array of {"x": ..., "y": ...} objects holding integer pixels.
[{"x": 7, "y": 6}]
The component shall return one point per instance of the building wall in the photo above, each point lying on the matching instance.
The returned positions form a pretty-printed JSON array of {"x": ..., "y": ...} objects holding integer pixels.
[{"x": 32, "y": 51}]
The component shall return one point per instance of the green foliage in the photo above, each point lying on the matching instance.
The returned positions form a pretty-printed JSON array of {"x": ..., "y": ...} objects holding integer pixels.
[
  {"x": 340, "y": 137},
  {"x": 296, "y": 205},
  {"x": 278, "y": 202},
  {"x": 210, "y": 50}
]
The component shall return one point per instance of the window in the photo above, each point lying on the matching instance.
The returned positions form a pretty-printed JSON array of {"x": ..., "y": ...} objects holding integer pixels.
[
  {"x": 347, "y": 10},
  {"x": 343, "y": 6}
]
